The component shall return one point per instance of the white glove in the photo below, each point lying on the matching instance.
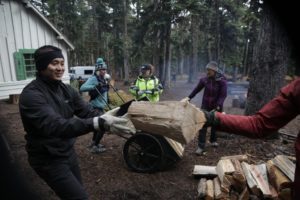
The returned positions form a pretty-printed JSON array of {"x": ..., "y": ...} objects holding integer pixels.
[
  {"x": 107, "y": 77},
  {"x": 185, "y": 100},
  {"x": 113, "y": 124},
  {"x": 141, "y": 92},
  {"x": 116, "y": 124},
  {"x": 112, "y": 111}
]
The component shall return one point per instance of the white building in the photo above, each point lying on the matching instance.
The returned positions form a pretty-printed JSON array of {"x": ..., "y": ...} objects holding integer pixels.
[{"x": 22, "y": 30}]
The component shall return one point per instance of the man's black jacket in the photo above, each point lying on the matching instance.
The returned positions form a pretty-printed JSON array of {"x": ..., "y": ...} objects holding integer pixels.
[{"x": 53, "y": 115}]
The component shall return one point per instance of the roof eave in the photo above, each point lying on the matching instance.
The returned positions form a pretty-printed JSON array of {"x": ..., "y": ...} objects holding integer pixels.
[{"x": 60, "y": 36}]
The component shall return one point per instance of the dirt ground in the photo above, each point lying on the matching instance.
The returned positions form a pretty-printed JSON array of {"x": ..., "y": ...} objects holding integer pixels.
[{"x": 106, "y": 176}]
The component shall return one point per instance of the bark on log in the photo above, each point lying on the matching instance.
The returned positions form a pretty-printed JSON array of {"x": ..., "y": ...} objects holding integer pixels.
[
  {"x": 244, "y": 195},
  {"x": 176, "y": 120},
  {"x": 285, "y": 165},
  {"x": 239, "y": 179},
  {"x": 201, "y": 188},
  {"x": 276, "y": 177},
  {"x": 209, "y": 190},
  {"x": 227, "y": 183},
  {"x": 202, "y": 171},
  {"x": 285, "y": 194}
]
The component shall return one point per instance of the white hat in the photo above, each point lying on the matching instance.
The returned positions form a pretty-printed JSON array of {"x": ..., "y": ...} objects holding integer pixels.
[{"x": 213, "y": 66}]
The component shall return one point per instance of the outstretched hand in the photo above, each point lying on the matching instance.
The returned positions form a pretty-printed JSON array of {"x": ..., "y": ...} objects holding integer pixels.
[
  {"x": 185, "y": 100},
  {"x": 211, "y": 118},
  {"x": 116, "y": 124}
]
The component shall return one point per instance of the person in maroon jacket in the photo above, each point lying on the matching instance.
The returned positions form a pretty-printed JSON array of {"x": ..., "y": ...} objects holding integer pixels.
[
  {"x": 274, "y": 115},
  {"x": 215, "y": 92}
]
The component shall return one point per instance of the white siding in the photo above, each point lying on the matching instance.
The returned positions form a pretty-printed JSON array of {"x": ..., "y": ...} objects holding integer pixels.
[{"x": 21, "y": 28}]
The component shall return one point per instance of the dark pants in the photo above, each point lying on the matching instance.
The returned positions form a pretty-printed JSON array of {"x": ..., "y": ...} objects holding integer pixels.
[
  {"x": 98, "y": 135},
  {"x": 202, "y": 136},
  {"x": 63, "y": 176}
]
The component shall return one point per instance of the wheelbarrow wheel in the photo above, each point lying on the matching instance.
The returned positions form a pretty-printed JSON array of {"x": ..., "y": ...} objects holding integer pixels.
[{"x": 143, "y": 153}]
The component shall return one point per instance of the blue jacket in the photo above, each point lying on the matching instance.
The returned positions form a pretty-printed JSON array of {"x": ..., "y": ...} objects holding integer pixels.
[{"x": 89, "y": 86}]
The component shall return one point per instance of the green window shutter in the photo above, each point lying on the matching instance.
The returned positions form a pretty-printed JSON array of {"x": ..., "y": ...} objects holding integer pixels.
[{"x": 20, "y": 66}]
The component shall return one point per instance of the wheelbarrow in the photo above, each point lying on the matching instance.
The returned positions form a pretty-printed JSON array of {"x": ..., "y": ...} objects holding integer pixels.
[
  {"x": 144, "y": 151},
  {"x": 148, "y": 152}
]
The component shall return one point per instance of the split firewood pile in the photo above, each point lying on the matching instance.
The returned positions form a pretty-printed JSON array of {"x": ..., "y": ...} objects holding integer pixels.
[{"x": 235, "y": 178}]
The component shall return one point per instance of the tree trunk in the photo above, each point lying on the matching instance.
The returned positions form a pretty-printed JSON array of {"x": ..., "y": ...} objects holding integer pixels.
[
  {"x": 217, "y": 32},
  {"x": 194, "y": 34},
  {"x": 167, "y": 54},
  {"x": 125, "y": 47},
  {"x": 269, "y": 69}
]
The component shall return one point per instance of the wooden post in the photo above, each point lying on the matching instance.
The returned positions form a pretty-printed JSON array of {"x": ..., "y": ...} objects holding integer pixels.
[{"x": 14, "y": 98}]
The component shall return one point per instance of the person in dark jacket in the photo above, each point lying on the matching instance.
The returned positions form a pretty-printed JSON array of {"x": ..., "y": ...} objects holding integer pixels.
[
  {"x": 215, "y": 92},
  {"x": 274, "y": 115},
  {"x": 53, "y": 115}
]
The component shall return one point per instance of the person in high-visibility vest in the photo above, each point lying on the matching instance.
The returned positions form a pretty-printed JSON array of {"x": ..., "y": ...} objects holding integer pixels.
[{"x": 146, "y": 84}]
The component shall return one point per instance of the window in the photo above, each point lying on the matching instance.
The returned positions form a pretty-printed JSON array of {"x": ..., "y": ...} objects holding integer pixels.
[
  {"x": 87, "y": 72},
  {"x": 24, "y": 62}
]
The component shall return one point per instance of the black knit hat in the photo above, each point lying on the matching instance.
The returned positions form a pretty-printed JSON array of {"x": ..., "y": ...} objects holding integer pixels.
[
  {"x": 44, "y": 55},
  {"x": 145, "y": 67}
]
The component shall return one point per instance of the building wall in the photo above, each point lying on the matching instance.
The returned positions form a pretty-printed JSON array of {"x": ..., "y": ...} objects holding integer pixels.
[{"x": 21, "y": 28}]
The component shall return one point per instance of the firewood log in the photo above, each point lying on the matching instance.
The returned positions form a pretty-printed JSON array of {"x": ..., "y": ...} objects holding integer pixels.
[
  {"x": 259, "y": 173},
  {"x": 217, "y": 189},
  {"x": 203, "y": 171},
  {"x": 250, "y": 180},
  {"x": 276, "y": 177},
  {"x": 173, "y": 119},
  {"x": 239, "y": 179},
  {"x": 285, "y": 165},
  {"x": 201, "y": 188},
  {"x": 224, "y": 167},
  {"x": 209, "y": 190},
  {"x": 236, "y": 157}
]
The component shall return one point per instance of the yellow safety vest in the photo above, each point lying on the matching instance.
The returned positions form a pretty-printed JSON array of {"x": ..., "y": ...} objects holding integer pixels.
[{"x": 150, "y": 84}]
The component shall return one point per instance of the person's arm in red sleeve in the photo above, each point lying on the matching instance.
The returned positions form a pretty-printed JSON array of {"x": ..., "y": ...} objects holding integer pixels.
[{"x": 274, "y": 115}]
